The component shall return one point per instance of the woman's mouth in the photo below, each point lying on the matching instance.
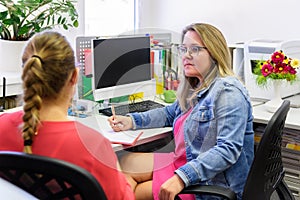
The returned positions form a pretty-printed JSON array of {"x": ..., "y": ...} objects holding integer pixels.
[{"x": 187, "y": 65}]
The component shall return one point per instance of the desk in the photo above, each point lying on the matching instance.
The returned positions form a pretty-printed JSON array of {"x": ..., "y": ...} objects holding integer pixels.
[
  {"x": 261, "y": 115},
  {"x": 13, "y": 83}
]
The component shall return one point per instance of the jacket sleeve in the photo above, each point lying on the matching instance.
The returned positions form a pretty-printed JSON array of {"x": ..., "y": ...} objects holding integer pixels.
[{"x": 156, "y": 118}]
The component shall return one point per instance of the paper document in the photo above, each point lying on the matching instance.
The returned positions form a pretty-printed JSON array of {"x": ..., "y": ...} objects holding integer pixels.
[
  {"x": 123, "y": 137},
  {"x": 130, "y": 137},
  {"x": 101, "y": 125}
]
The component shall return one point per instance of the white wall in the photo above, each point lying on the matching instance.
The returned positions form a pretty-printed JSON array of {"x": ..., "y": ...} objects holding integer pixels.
[
  {"x": 72, "y": 33},
  {"x": 108, "y": 17},
  {"x": 239, "y": 20}
]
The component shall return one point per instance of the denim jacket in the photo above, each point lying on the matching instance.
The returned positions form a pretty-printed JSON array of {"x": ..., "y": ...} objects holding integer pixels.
[{"x": 218, "y": 135}]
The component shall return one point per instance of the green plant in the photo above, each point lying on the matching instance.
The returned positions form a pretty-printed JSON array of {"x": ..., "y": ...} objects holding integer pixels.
[
  {"x": 279, "y": 66},
  {"x": 19, "y": 20}
]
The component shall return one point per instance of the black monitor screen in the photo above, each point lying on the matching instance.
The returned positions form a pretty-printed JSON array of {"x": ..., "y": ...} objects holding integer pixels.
[{"x": 119, "y": 61}]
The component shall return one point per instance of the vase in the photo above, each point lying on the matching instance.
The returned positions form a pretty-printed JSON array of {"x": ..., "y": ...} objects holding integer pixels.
[{"x": 276, "y": 100}]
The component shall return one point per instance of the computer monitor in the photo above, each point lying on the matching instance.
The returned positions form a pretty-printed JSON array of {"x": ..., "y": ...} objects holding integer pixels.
[{"x": 121, "y": 66}]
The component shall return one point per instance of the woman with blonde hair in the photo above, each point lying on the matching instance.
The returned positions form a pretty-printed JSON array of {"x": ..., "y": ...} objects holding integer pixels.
[{"x": 212, "y": 125}]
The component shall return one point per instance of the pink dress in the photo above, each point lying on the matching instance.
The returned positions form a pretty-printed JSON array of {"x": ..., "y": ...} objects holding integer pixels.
[{"x": 166, "y": 163}]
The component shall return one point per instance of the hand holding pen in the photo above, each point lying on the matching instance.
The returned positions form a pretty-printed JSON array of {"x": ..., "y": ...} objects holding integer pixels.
[{"x": 119, "y": 122}]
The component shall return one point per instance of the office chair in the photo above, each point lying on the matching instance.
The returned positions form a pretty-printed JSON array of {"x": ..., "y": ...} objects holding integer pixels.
[
  {"x": 266, "y": 173},
  {"x": 49, "y": 178}
]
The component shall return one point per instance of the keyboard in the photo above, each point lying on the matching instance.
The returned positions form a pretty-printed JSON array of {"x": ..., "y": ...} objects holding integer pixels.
[{"x": 132, "y": 107}]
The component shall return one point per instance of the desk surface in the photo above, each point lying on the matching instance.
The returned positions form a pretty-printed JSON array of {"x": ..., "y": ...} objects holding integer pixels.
[
  {"x": 261, "y": 115},
  {"x": 13, "y": 83}
]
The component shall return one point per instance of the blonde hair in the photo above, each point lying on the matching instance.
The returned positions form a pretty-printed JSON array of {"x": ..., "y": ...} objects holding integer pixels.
[
  {"x": 48, "y": 60},
  {"x": 217, "y": 47}
]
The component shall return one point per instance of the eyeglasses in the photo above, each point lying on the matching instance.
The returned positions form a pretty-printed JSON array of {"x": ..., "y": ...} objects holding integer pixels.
[{"x": 192, "y": 50}]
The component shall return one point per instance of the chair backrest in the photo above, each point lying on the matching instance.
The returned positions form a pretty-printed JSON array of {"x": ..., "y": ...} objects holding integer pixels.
[
  {"x": 49, "y": 178},
  {"x": 266, "y": 173}
]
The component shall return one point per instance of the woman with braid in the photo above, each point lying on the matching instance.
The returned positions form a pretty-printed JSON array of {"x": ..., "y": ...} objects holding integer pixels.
[{"x": 43, "y": 128}]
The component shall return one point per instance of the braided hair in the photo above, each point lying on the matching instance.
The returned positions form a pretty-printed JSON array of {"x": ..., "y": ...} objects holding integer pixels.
[{"x": 48, "y": 60}]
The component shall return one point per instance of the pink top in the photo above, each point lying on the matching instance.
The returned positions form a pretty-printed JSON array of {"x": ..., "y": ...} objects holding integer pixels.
[
  {"x": 73, "y": 142},
  {"x": 166, "y": 163}
]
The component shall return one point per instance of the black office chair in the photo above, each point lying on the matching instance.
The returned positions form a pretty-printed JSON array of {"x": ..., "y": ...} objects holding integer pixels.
[
  {"x": 266, "y": 173},
  {"x": 49, "y": 178}
]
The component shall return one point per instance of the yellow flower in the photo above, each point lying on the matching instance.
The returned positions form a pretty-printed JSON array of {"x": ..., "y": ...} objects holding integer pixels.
[{"x": 295, "y": 63}]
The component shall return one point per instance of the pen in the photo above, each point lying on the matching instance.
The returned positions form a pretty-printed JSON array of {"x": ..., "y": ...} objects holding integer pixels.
[
  {"x": 114, "y": 116},
  {"x": 113, "y": 111}
]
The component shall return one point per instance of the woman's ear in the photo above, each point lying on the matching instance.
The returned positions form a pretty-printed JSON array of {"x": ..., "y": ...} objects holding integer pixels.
[{"x": 74, "y": 76}]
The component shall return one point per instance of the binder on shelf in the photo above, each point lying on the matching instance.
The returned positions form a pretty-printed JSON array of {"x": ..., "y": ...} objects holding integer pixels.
[
  {"x": 164, "y": 58},
  {"x": 158, "y": 70},
  {"x": 165, "y": 67}
]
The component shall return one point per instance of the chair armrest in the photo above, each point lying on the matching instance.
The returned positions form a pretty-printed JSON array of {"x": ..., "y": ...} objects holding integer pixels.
[{"x": 210, "y": 190}]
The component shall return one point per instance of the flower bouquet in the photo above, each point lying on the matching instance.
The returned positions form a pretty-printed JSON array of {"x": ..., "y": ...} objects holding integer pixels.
[{"x": 279, "y": 66}]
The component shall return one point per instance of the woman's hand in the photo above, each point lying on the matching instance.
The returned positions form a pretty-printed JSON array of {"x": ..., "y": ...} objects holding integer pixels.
[
  {"x": 120, "y": 123},
  {"x": 170, "y": 188}
]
